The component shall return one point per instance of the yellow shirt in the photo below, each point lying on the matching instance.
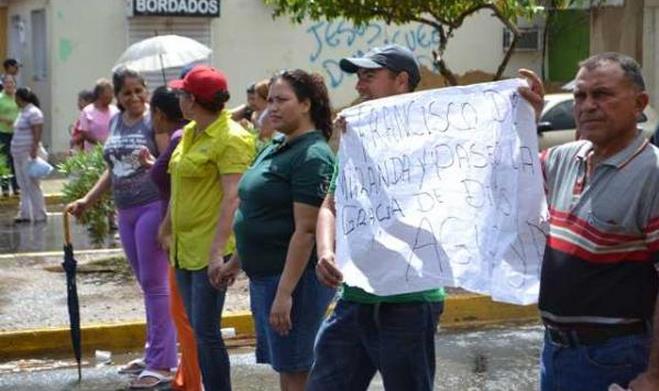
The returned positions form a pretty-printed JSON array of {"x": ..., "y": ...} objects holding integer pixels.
[{"x": 197, "y": 163}]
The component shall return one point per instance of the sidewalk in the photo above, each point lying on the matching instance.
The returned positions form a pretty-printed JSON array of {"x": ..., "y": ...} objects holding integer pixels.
[
  {"x": 52, "y": 189},
  {"x": 34, "y": 321}
]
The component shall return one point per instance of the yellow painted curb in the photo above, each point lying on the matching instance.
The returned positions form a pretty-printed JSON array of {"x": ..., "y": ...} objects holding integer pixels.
[
  {"x": 469, "y": 310},
  {"x": 459, "y": 311},
  {"x": 51, "y": 199},
  {"x": 119, "y": 336}
]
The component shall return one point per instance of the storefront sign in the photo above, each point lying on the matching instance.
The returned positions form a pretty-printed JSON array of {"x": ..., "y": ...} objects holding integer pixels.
[{"x": 203, "y": 8}]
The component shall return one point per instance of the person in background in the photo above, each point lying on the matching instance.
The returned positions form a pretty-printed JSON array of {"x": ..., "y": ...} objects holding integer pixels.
[
  {"x": 275, "y": 225},
  {"x": 25, "y": 144},
  {"x": 140, "y": 211},
  {"x": 93, "y": 122},
  {"x": 260, "y": 119},
  {"x": 205, "y": 169},
  {"x": 11, "y": 67},
  {"x": 76, "y": 142},
  {"x": 168, "y": 120},
  {"x": 8, "y": 114},
  {"x": 243, "y": 113}
]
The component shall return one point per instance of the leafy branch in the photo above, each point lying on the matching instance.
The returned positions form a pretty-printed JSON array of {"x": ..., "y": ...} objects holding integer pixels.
[
  {"x": 444, "y": 16},
  {"x": 83, "y": 170}
]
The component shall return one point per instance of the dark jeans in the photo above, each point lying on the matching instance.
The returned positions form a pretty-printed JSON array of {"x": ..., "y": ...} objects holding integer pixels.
[
  {"x": 592, "y": 368},
  {"x": 203, "y": 305},
  {"x": 359, "y": 339},
  {"x": 5, "y": 143}
]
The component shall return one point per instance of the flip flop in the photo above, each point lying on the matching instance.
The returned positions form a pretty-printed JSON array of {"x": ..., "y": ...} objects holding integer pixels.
[
  {"x": 159, "y": 377},
  {"x": 134, "y": 367}
]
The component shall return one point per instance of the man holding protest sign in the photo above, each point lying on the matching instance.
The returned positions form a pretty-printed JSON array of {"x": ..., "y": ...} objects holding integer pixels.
[
  {"x": 598, "y": 291},
  {"x": 367, "y": 333}
]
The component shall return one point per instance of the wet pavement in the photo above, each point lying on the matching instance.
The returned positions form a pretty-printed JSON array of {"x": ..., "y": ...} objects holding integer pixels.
[
  {"x": 35, "y": 237},
  {"x": 497, "y": 359},
  {"x": 33, "y": 288}
]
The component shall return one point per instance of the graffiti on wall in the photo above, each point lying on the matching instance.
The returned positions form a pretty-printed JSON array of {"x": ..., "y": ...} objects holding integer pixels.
[{"x": 335, "y": 37}]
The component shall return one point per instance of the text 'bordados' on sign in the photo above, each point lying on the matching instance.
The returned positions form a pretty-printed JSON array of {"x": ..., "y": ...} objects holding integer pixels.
[{"x": 201, "y": 8}]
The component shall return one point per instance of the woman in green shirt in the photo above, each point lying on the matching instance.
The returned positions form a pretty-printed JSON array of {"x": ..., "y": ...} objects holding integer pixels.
[
  {"x": 8, "y": 114},
  {"x": 275, "y": 226}
]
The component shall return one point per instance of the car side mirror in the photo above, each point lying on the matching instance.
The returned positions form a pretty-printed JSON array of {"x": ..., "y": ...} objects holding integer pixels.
[{"x": 544, "y": 126}]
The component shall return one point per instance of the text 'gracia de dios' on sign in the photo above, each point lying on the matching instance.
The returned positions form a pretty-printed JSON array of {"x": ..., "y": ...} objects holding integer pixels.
[{"x": 442, "y": 187}]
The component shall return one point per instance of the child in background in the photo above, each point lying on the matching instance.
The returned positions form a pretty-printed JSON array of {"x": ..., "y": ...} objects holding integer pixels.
[{"x": 76, "y": 144}]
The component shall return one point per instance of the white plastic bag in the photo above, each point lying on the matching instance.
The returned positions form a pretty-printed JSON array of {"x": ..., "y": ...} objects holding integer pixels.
[{"x": 38, "y": 168}]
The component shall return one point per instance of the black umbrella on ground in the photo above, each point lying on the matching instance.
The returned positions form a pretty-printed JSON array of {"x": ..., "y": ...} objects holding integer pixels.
[{"x": 70, "y": 266}]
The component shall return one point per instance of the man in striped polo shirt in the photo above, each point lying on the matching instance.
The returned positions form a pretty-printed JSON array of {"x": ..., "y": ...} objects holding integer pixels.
[{"x": 598, "y": 290}]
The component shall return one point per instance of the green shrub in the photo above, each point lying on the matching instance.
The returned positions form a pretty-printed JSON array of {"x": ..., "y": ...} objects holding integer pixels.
[
  {"x": 5, "y": 171},
  {"x": 83, "y": 170}
]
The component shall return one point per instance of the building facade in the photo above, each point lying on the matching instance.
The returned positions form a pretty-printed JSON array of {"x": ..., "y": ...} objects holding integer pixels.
[{"x": 65, "y": 45}]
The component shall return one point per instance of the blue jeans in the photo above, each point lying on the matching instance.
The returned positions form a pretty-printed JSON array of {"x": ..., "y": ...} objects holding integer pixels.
[
  {"x": 594, "y": 367},
  {"x": 203, "y": 305},
  {"x": 398, "y": 340},
  {"x": 293, "y": 352}
]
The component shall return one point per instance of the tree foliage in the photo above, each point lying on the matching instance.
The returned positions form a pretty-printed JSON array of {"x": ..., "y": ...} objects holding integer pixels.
[
  {"x": 5, "y": 171},
  {"x": 83, "y": 170},
  {"x": 445, "y": 16}
]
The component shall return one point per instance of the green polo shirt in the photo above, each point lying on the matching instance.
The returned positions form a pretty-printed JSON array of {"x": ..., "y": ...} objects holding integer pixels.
[
  {"x": 358, "y": 295},
  {"x": 8, "y": 111},
  {"x": 282, "y": 173},
  {"x": 196, "y": 168}
]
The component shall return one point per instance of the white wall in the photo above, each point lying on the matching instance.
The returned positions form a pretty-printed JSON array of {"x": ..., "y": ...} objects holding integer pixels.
[
  {"x": 87, "y": 36},
  {"x": 266, "y": 46},
  {"x": 20, "y": 47},
  {"x": 651, "y": 49}
]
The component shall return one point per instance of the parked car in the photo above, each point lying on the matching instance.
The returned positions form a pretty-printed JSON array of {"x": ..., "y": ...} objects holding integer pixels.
[{"x": 557, "y": 126}]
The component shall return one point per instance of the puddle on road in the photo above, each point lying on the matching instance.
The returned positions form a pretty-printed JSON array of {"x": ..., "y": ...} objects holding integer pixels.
[
  {"x": 106, "y": 269},
  {"x": 49, "y": 236}
]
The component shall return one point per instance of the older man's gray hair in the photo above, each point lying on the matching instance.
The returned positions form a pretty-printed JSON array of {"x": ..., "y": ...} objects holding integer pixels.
[{"x": 629, "y": 66}]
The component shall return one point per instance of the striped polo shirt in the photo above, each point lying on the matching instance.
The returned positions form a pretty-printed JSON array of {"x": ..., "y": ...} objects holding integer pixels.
[
  {"x": 27, "y": 117},
  {"x": 603, "y": 246}
]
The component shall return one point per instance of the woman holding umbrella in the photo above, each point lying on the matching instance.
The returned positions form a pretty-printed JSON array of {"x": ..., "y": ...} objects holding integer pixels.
[{"x": 139, "y": 212}]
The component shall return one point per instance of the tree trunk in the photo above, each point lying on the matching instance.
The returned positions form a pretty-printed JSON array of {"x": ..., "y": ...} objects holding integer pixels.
[
  {"x": 438, "y": 58},
  {"x": 545, "y": 39},
  {"x": 506, "y": 58},
  {"x": 445, "y": 71}
]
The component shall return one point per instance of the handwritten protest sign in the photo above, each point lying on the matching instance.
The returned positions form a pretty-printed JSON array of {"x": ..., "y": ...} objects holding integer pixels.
[{"x": 442, "y": 188}]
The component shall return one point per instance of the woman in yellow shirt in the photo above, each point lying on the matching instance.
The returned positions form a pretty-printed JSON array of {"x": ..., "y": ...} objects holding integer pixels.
[{"x": 205, "y": 169}]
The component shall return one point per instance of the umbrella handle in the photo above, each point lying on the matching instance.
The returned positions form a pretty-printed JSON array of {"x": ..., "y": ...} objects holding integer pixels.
[{"x": 67, "y": 228}]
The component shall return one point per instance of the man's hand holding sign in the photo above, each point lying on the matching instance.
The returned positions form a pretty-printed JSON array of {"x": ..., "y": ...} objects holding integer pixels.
[{"x": 441, "y": 187}]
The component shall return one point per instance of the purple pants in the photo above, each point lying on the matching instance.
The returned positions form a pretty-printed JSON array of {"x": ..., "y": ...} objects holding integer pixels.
[{"x": 138, "y": 228}]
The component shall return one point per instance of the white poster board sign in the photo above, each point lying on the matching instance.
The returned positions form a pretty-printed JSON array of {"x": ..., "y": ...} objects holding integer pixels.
[{"x": 442, "y": 188}]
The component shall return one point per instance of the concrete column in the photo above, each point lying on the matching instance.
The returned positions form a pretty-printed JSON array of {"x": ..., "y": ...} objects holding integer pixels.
[{"x": 650, "y": 60}]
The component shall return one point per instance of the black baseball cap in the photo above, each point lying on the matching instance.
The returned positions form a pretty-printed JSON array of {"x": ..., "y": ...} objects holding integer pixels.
[{"x": 393, "y": 57}]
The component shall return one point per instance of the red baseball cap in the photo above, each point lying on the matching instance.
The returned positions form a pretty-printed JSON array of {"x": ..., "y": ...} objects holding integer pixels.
[{"x": 203, "y": 81}]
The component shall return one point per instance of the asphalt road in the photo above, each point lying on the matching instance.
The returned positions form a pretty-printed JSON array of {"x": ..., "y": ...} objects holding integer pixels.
[{"x": 504, "y": 358}]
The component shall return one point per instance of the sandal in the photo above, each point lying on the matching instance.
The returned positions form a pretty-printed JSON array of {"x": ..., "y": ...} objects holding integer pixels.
[
  {"x": 133, "y": 368},
  {"x": 149, "y": 379}
]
